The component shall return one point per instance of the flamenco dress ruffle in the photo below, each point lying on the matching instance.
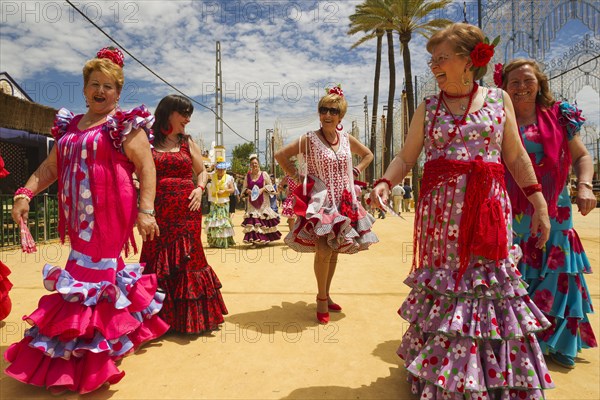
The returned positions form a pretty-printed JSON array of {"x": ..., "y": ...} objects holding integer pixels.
[
  {"x": 477, "y": 342},
  {"x": 260, "y": 224},
  {"x": 219, "y": 228},
  {"x": 5, "y": 286},
  {"x": 346, "y": 226},
  {"x": 194, "y": 303},
  {"x": 79, "y": 331}
]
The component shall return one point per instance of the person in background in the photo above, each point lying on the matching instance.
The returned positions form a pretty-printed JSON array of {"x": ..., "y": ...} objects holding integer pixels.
[
  {"x": 397, "y": 197},
  {"x": 219, "y": 228},
  {"x": 287, "y": 187},
  {"x": 330, "y": 218},
  {"x": 273, "y": 196},
  {"x": 194, "y": 303},
  {"x": 407, "y": 196},
  {"x": 234, "y": 197},
  {"x": 472, "y": 324},
  {"x": 260, "y": 221},
  {"x": 102, "y": 309},
  {"x": 549, "y": 129}
]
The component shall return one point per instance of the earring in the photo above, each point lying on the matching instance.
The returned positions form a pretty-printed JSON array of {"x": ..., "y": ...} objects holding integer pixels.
[
  {"x": 339, "y": 127},
  {"x": 86, "y": 102},
  {"x": 465, "y": 80},
  {"x": 167, "y": 132}
]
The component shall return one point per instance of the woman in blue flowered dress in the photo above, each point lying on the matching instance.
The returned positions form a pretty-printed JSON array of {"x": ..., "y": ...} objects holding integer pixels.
[
  {"x": 554, "y": 274},
  {"x": 472, "y": 324}
]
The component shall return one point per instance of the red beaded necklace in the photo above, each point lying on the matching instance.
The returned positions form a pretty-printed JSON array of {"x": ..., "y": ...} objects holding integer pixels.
[
  {"x": 337, "y": 138},
  {"x": 471, "y": 95}
]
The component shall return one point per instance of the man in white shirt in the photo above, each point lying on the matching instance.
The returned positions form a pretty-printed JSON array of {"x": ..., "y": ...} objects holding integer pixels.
[{"x": 397, "y": 195}]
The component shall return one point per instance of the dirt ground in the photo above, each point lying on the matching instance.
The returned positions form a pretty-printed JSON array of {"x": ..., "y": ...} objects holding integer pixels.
[{"x": 271, "y": 346}]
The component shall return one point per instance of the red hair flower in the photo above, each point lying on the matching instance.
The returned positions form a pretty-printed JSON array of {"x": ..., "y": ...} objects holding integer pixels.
[
  {"x": 336, "y": 90},
  {"x": 113, "y": 54},
  {"x": 498, "y": 74},
  {"x": 483, "y": 53}
]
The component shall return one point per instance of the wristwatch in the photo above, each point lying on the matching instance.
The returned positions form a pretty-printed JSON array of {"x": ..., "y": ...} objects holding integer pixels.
[
  {"x": 586, "y": 184},
  {"x": 149, "y": 212}
]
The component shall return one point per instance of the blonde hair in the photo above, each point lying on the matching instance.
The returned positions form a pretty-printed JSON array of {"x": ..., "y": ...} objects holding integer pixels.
[
  {"x": 464, "y": 38},
  {"x": 107, "y": 67},
  {"x": 339, "y": 101},
  {"x": 544, "y": 96}
]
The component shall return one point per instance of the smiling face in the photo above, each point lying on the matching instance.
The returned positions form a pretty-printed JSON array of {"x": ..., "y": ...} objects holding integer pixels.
[
  {"x": 328, "y": 120},
  {"x": 522, "y": 86},
  {"x": 449, "y": 68},
  {"x": 254, "y": 166},
  {"x": 101, "y": 93},
  {"x": 178, "y": 121}
]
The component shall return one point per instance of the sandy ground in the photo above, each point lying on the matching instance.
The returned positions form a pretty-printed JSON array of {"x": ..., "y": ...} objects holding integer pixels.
[{"x": 271, "y": 346}]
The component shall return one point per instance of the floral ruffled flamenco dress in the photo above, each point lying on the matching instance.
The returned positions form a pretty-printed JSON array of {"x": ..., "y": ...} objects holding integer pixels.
[
  {"x": 472, "y": 332},
  {"x": 101, "y": 309},
  {"x": 5, "y": 284}
]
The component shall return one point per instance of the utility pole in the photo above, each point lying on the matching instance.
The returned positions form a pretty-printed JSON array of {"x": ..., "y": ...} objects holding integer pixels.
[
  {"x": 383, "y": 139},
  {"x": 366, "y": 109},
  {"x": 218, "y": 99},
  {"x": 256, "y": 128},
  {"x": 270, "y": 146}
]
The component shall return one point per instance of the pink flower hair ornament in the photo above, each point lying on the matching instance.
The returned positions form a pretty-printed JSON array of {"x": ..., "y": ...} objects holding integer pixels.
[
  {"x": 335, "y": 90},
  {"x": 113, "y": 54},
  {"x": 498, "y": 74}
]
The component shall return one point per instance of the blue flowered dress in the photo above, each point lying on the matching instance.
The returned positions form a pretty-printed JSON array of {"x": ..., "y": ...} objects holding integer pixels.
[{"x": 555, "y": 274}]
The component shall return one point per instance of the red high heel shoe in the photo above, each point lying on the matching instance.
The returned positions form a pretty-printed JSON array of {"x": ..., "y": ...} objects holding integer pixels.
[
  {"x": 333, "y": 306},
  {"x": 323, "y": 318}
]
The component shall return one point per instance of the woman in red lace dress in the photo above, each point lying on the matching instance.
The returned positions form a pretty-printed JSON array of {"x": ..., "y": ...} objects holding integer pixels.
[{"x": 193, "y": 303}]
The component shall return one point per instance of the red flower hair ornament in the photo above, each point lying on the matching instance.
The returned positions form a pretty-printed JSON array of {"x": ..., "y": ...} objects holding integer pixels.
[
  {"x": 483, "y": 53},
  {"x": 335, "y": 90},
  {"x": 498, "y": 74},
  {"x": 113, "y": 54}
]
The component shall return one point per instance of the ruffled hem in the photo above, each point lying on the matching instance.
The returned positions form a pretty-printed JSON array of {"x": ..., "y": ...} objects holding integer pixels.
[
  {"x": 322, "y": 219},
  {"x": 82, "y": 329},
  {"x": 220, "y": 242},
  {"x": 255, "y": 237},
  {"x": 122, "y": 123},
  {"x": 5, "y": 286}
]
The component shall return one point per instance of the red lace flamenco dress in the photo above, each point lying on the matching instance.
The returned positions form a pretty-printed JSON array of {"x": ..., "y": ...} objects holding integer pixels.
[
  {"x": 102, "y": 309},
  {"x": 5, "y": 284},
  {"x": 194, "y": 303}
]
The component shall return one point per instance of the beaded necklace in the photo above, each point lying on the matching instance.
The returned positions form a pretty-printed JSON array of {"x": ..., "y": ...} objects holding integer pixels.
[
  {"x": 457, "y": 124},
  {"x": 337, "y": 138}
]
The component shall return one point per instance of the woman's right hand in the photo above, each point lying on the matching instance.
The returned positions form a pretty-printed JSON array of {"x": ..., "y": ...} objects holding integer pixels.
[
  {"x": 379, "y": 195},
  {"x": 20, "y": 210}
]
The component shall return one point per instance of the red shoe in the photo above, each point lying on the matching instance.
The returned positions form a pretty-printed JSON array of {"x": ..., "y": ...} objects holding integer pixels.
[
  {"x": 333, "y": 306},
  {"x": 323, "y": 318}
]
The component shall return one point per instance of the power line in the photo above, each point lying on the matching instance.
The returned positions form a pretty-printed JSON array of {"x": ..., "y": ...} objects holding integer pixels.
[
  {"x": 150, "y": 70},
  {"x": 575, "y": 67}
]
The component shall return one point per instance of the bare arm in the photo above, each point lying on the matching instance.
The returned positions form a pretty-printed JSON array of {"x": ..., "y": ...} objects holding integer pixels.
[
  {"x": 584, "y": 171},
  {"x": 43, "y": 177},
  {"x": 195, "y": 196},
  {"x": 366, "y": 157},
  {"x": 406, "y": 157},
  {"x": 517, "y": 161},
  {"x": 137, "y": 149}
]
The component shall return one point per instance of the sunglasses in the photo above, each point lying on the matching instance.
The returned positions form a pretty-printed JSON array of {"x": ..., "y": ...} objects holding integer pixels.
[
  {"x": 185, "y": 114},
  {"x": 332, "y": 111}
]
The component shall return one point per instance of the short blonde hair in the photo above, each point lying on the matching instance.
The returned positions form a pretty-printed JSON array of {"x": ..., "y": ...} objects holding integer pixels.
[
  {"x": 339, "y": 101},
  {"x": 463, "y": 37},
  {"x": 107, "y": 67}
]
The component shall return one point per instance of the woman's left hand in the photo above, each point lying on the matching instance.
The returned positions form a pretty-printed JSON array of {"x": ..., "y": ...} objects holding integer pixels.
[
  {"x": 586, "y": 201},
  {"x": 147, "y": 227},
  {"x": 195, "y": 199},
  {"x": 540, "y": 222}
]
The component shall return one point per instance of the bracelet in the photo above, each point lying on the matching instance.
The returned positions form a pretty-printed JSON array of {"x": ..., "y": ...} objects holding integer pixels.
[
  {"x": 586, "y": 184},
  {"x": 531, "y": 189},
  {"x": 201, "y": 187},
  {"x": 148, "y": 212},
  {"x": 383, "y": 180},
  {"x": 24, "y": 191},
  {"x": 355, "y": 172},
  {"x": 21, "y": 196}
]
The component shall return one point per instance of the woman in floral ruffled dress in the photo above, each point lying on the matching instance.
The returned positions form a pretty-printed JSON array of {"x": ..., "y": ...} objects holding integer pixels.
[
  {"x": 472, "y": 324},
  {"x": 555, "y": 274}
]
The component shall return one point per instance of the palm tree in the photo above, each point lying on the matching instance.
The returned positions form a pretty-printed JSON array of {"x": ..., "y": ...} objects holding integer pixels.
[
  {"x": 364, "y": 21},
  {"x": 410, "y": 18}
]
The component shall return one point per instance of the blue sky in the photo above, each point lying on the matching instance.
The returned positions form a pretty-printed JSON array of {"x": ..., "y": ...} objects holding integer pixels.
[{"x": 281, "y": 53}]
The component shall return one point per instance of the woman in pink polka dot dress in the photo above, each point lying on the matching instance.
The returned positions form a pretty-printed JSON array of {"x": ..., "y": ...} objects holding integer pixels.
[{"x": 101, "y": 309}]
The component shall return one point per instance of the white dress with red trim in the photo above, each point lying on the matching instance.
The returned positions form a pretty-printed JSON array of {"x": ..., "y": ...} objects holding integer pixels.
[
  {"x": 101, "y": 309},
  {"x": 327, "y": 204}
]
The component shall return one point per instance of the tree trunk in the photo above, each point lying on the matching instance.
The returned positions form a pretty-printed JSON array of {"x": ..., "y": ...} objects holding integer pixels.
[
  {"x": 410, "y": 99},
  {"x": 389, "y": 129},
  {"x": 373, "y": 145}
]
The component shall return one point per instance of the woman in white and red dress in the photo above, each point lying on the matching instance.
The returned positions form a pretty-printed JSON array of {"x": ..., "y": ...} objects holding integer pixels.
[
  {"x": 330, "y": 218},
  {"x": 101, "y": 309}
]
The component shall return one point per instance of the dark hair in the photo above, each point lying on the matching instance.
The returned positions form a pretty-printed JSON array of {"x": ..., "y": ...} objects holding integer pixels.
[
  {"x": 165, "y": 108},
  {"x": 544, "y": 96}
]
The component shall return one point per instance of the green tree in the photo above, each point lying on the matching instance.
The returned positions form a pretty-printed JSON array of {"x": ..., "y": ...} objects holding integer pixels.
[
  {"x": 414, "y": 17},
  {"x": 241, "y": 157}
]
